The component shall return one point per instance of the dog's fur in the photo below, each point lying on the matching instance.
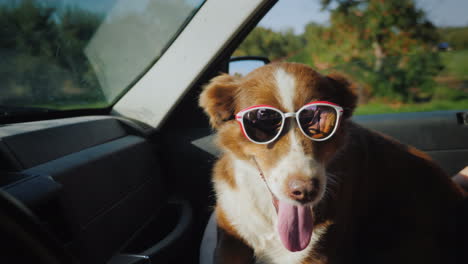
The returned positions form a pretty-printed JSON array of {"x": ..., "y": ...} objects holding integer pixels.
[{"x": 378, "y": 201}]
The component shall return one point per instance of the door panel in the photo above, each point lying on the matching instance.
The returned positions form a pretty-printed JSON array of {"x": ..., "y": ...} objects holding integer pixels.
[
  {"x": 98, "y": 177},
  {"x": 34, "y": 143},
  {"x": 440, "y": 134},
  {"x": 95, "y": 182}
]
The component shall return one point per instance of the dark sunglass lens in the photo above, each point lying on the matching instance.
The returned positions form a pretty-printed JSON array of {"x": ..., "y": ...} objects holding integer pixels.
[
  {"x": 318, "y": 121},
  {"x": 262, "y": 124}
]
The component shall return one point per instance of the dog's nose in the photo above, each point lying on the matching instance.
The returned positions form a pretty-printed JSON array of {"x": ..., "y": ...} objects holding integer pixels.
[{"x": 303, "y": 191}]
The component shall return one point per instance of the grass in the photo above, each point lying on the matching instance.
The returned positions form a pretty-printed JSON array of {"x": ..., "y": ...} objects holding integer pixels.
[
  {"x": 451, "y": 92},
  {"x": 434, "y": 105},
  {"x": 456, "y": 63}
]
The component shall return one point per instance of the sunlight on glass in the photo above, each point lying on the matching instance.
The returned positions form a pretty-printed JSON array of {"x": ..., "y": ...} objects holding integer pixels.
[
  {"x": 243, "y": 67},
  {"x": 141, "y": 29}
]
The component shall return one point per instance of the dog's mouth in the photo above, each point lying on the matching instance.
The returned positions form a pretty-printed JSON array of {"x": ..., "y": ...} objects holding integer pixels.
[{"x": 295, "y": 224}]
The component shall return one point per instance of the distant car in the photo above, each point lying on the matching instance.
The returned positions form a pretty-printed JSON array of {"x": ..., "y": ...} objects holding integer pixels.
[
  {"x": 444, "y": 46},
  {"x": 105, "y": 156}
]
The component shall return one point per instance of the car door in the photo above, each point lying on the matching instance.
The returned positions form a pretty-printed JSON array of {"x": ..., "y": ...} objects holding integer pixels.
[
  {"x": 441, "y": 134},
  {"x": 109, "y": 173}
]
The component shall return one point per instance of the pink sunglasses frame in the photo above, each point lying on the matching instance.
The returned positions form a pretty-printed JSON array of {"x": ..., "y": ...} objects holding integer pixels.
[{"x": 240, "y": 119}]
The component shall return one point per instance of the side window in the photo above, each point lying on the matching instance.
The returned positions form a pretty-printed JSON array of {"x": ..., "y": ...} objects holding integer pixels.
[{"x": 405, "y": 56}]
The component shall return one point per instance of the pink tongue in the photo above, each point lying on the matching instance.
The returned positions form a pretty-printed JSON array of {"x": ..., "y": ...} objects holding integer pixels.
[{"x": 294, "y": 226}]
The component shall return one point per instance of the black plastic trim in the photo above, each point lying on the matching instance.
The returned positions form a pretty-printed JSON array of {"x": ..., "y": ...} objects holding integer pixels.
[
  {"x": 176, "y": 234},
  {"x": 48, "y": 115},
  {"x": 241, "y": 58},
  {"x": 145, "y": 244},
  {"x": 34, "y": 190}
]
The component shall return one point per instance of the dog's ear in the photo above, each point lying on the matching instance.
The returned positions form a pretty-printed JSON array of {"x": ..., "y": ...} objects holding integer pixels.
[
  {"x": 217, "y": 98},
  {"x": 346, "y": 93}
]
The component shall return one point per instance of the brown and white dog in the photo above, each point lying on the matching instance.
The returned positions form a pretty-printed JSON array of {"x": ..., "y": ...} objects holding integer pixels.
[{"x": 356, "y": 197}]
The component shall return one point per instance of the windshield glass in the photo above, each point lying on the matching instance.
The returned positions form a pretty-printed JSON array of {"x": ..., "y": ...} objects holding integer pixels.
[{"x": 81, "y": 54}]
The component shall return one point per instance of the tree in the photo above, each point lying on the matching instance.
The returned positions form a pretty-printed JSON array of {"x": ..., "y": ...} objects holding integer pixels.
[
  {"x": 268, "y": 43},
  {"x": 42, "y": 55},
  {"x": 389, "y": 42}
]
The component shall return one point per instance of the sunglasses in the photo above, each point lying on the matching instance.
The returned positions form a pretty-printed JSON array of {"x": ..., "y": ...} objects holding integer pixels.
[{"x": 262, "y": 124}]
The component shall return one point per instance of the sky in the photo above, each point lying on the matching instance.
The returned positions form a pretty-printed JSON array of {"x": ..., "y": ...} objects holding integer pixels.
[{"x": 296, "y": 14}]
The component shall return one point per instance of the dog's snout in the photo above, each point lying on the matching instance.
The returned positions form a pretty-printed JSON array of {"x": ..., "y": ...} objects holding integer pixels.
[{"x": 301, "y": 190}]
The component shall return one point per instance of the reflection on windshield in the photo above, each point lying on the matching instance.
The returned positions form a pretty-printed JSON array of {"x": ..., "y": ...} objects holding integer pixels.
[
  {"x": 83, "y": 53},
  {"x": 148, "y": 27}
]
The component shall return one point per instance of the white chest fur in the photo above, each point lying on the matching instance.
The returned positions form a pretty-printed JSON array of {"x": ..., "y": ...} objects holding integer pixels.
[{"x": 250, "y": 210}]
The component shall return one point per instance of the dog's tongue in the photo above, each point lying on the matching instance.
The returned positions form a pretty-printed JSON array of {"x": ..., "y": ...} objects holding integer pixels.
[{"x": 294, "y": 226}]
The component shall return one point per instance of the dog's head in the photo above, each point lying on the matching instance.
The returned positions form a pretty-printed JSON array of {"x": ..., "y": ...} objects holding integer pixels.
[{"x": 293, "y": 163}]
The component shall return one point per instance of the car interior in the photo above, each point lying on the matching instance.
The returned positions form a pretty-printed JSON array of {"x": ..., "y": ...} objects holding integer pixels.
[{"x": 91, "y": 187}]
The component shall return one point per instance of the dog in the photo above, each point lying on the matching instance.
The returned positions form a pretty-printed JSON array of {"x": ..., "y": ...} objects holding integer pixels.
[{"x": 299, "y": 182}]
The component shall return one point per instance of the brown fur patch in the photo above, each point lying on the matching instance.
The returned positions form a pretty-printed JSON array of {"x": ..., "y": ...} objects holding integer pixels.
[
  {"x": 258, "y": 88},
  {"x": 344, "y": 93},
  {"x": 217, "y": 98}
]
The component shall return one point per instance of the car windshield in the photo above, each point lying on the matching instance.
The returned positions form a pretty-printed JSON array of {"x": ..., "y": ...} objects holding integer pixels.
[{"x": 81, "y": 54}]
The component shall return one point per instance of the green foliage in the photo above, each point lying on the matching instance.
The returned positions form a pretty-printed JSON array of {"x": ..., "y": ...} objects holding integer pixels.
[
  {"x": 42, "y": 55},
  {"x": 274, "y": 45},
  {"x": 390, "y": 44},
  {"x": 380, "y": 107}
]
